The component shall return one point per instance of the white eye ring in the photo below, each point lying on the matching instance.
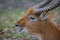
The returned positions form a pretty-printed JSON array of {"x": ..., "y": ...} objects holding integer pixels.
[{"x": 32, "y": 18}]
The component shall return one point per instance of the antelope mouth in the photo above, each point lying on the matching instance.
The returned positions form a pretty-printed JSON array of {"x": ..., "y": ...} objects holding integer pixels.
[{"x": 23, "y": 30}]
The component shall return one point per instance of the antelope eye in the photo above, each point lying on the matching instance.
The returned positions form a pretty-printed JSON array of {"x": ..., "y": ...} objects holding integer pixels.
[{"x": 32, "y": 18}]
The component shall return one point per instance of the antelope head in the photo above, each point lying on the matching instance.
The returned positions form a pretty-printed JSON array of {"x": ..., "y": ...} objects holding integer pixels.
[{"x": 37, "y": 16}]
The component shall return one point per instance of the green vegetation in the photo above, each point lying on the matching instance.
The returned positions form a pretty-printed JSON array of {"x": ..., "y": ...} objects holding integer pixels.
[{"x": 10, "y": 17}]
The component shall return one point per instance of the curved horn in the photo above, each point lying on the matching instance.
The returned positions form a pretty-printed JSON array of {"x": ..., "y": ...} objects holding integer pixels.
[
  {"x": 42, "y": 4},
  {"x": 49, "y": 7},
  {"x": 52, "y": 6}
]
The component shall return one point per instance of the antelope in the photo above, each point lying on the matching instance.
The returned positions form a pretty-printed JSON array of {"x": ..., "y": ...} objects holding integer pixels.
[{"x": 38, "y": 20}]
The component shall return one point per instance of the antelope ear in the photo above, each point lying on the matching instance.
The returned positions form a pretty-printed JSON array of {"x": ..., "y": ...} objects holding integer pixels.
[{"x": 43, "y": 16}]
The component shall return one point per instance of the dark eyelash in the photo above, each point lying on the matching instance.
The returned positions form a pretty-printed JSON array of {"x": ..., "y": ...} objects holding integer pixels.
[{"x": 32, "y": 18}]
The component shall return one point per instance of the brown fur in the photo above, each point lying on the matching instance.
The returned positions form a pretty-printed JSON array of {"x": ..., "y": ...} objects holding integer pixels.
[
  {"x": 46, "y": 28},
  {"x": 58, "y": 26}
]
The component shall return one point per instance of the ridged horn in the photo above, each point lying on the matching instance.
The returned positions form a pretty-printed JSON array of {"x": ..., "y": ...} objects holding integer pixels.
[
  {"x": 54, "y": 4},
  {"x": 42, "y": 4}
]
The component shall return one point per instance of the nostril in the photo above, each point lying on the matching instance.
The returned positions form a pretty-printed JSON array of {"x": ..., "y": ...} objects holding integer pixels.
[{"x": 16, "y": 25}]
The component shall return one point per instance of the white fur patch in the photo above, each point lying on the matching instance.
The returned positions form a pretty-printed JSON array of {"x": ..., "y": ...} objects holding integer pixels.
[{"x": 39, "y": 36}]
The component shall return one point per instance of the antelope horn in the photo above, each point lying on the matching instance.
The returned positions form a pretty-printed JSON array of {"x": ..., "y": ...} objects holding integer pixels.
[
  {"x": 42, "y": 4},
  {"x": 49, "y": 7}
]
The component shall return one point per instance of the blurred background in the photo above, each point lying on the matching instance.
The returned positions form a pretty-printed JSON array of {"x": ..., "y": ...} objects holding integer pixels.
[{"x": 11, "y": 11}]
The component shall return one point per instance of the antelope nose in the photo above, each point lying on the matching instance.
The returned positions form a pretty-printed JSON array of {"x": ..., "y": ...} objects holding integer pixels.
[{"x": 16, "y": 25}]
